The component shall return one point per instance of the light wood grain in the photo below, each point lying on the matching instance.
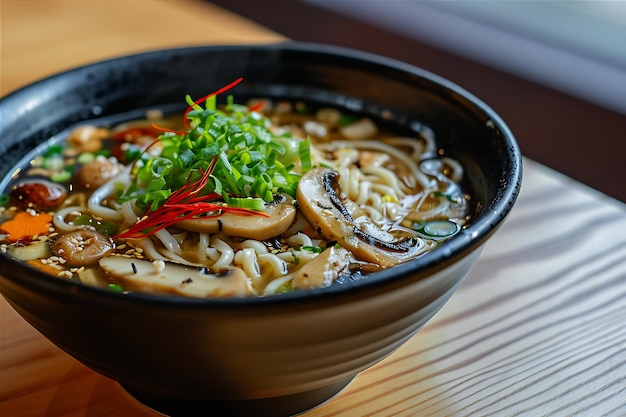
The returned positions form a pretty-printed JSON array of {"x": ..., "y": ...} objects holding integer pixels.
[
  {"x": 40, "y": 38},
  {"x": 538, "y": 328}
]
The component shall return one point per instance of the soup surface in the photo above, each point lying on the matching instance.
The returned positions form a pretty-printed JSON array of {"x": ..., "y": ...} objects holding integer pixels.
[{"x": 246, "y": 199}]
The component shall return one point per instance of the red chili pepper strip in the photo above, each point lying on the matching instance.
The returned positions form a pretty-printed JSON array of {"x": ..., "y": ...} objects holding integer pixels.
[
  {"x": 257, "y": 106},
  {"x": 164, "y": 129},
  {"x": 183, "y": 204},
  {"x": 200, "y": 100}
]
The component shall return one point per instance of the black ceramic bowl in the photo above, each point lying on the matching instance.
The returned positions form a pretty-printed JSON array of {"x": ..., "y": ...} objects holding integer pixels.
[{"x": 275, "y": 355}]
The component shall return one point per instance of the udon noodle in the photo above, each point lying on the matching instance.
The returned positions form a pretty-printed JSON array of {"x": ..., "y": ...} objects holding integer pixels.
[{"x": 237, "y": 200}]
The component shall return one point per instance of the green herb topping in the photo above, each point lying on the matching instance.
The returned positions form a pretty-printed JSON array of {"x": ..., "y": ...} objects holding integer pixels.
[{"x": 252, "y": 164}]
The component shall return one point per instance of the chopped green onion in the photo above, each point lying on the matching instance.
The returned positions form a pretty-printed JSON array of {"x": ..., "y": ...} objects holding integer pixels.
[
  {"x": 305, "y": 154},
  {"x": 441, "y": 194},
  {"x": 53, "y": 150},
  {"x": 102, "y": 227},
  {"x": 247, "y": 203},
  {"x": 441, "y": 228},
  {"x": 116, "y": 288},
  {"x": 106, "y": 228},
  {"x": 347, "y": 119},
  {"x": 4, "y": 199},
  {"x": 252, "y": 161},
  {"x": 54, "y": 162},
  {"x": 82, "y": 220},
  {"x": 314, "y": 249},
  {"x": 86, "y": 157},
  {"x": 61, "y": 176},
  {"x": 284, "y": 288},
  {"x": 132, "y": 152},
  {"x": 103, "y": 152}
]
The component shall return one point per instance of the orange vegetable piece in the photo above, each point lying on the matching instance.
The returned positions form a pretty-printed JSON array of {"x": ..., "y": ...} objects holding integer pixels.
[
  {"x": 25, "y": 226},
  {"x": 47, "y": 268}
]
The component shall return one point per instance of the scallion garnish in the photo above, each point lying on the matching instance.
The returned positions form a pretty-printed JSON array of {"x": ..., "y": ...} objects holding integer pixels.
[
  {"x": 314, "y": 249},
  {"x": 61, "y": 176},
  {"x": 252, "y": 162},
  {"x": 86, "y": 157},
  {"x": 116, "y": 288},
  {"x": 437, "y": 229},
  {"x": 444, "y": 195},
  {"x": 187, "y": 202}
]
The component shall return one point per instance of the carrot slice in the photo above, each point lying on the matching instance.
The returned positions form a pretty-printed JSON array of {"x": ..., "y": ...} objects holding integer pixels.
[{"x": 25, "y": 226}]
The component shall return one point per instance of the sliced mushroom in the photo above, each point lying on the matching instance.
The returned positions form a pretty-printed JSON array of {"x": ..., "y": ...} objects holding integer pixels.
[
  {"x": 321, "y": 202},
  {"x": 83, "y": 247},
  {"x": 281, "y": 214},
  {"x": 323, "y": 270},
  {"x": 166, "y": 277}
]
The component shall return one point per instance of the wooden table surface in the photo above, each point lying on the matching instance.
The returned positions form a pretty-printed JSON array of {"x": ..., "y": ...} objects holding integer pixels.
[{"x": 537, "y": 328}]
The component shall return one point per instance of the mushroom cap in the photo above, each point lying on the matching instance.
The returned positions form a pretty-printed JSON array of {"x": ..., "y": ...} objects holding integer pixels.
[
  {"x": 321, "y": 202},
  {"x": 167, "y": 277},
  {"x": 280, "y": 215}
]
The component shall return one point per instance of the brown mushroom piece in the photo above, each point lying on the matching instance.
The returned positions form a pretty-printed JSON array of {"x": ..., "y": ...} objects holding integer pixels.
[
  {"x": 324, "y": 269},
  {"x": 170, "y": 278},
  {"x": 321, "y": 202},
  {"x": 38, "y": 194},
  {"x": 281, "y": 213},
  {"x": 96, "y": 173},
  {"x": 83, "y": 247}
]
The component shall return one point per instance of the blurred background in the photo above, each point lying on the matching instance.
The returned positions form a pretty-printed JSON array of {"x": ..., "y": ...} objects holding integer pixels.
[{"x": 554, "y": 70}]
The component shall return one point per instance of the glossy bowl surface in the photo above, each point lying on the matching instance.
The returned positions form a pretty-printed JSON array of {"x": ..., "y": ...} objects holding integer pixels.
[{"x": 275, "y": 355}]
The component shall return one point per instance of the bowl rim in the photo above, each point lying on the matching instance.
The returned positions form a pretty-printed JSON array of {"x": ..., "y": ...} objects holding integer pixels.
[{"x": 461, "y": 245}]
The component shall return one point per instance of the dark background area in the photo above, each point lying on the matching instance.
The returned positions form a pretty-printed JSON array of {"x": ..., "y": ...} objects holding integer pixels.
[{"x": 573, "y": 136}]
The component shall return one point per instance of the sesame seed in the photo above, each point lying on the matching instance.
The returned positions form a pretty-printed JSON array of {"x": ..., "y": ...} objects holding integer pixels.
[{"x": 159, "y": 265}]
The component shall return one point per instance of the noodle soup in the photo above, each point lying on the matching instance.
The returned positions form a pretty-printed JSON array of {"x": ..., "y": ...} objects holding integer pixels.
[{"x": 249, "y": 199}]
